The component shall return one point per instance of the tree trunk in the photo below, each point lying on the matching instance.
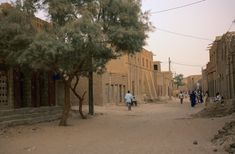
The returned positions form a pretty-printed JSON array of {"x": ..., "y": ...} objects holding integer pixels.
[
  {"x": 90, "y": 87},
  {"x": 67, "y": 106},
  {"x": 90, "y": 93},
  {"x": 81, "y": 99},
  {"x": 80, "y": 109}
]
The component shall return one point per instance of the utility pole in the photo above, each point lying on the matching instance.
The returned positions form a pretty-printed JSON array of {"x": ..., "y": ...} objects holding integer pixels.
[
  {"x": 90, "y": 88},
  {"x": 169, "y": 60},
  {"x": 90, "y": 85},
  {"x": 171, "y": 82}
]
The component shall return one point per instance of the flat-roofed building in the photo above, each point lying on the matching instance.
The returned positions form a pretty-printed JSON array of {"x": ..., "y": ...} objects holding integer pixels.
[
  {"x": 219, "y": 75},
  {"x": 132, "y": 72},
  {"x": 163, "y": 81}
]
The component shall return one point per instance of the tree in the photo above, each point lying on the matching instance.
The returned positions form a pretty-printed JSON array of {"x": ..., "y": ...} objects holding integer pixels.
[
  {"x": 16, "y": 33},
  {"x": 178, "y": 80},
  {"x": 81, "y": 31}
]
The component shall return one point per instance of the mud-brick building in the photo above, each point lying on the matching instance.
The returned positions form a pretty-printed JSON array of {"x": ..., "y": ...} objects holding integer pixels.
[
  {"x": 132, "y": 72},
  {"x": 162, "y": 81},
  {"x": 190, "y": 83},
  {"x": 209, "y": 74},
  {"x": 193, "y": 82},
  {"x": 219, "y": 74},
  {"x": 19, "y": 89},
  {"x": 140, "y": 75},
  {"x": 26, "y": 88}
]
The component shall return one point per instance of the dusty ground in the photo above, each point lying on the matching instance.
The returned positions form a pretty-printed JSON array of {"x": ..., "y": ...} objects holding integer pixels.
[{"x": 147, "y": 129}]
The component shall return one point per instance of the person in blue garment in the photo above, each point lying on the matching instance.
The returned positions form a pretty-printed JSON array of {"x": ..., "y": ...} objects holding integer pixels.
[
  {"x": 128, "y": 99},
  {"x": 193, "y": 98}
]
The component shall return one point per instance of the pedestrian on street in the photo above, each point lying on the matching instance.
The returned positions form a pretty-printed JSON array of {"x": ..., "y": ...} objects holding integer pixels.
[
  {"x": 128, "y": 99},
  {"x": 134, "y": 101},
  {"x": 181, "y": 97},
  {"x": 193, "y": 98},
  {"x": 206, "y": 97}
]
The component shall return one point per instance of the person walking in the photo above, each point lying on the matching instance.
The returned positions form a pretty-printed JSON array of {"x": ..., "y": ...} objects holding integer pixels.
[
  {"x": 206, "y": 98},
  {"x": 193, "y": 98},
  {"x": 181, "y": 97},
  {"x": 201, "y": 96},
  {"x": 134, "y": 101},
  {"x": 128, "y": 99}
]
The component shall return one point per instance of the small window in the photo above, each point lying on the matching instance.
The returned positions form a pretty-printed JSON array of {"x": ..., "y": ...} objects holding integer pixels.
[{"x": 155, "y": 67}]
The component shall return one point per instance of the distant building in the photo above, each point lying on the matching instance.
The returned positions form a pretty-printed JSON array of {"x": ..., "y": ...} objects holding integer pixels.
[
  {"x": 194, "y": 82},
  {"x": 163, "y": 81},
  {"x": 185, "y": 86},
  {"x": 191, "y": 83}
]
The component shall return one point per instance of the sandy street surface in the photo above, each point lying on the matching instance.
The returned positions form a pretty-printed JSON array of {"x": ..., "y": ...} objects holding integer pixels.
[{"x": 147, "y": 129}]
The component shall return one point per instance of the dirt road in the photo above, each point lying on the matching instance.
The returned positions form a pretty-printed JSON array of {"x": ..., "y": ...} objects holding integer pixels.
[{"x": 147, "y": 129}]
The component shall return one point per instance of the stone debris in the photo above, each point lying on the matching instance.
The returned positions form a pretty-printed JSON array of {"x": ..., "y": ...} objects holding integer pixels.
[
  {"x": 35, "y": 128},
  {"x": 29, "y": 149},
  {"x": 225, "y": 137},
  {"x": 216, "y": 110},
  {"x": 195, "y": 142}
]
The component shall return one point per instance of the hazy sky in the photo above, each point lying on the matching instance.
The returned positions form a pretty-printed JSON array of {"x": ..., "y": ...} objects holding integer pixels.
[{"x": 207, "y": 19}]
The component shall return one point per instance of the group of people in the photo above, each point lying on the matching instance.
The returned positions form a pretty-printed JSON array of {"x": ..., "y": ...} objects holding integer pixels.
[
  {"x": 130, "y": 100},
  {"x": 197, "y": 96}
]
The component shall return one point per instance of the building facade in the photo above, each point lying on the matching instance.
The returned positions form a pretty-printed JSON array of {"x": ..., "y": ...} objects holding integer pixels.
[
  {"x": 163, "y": 81},
  {"x": 21, "y": 88},
  {"x": 190, "y": 83},
  {"x": 219, "y": 75},
  {"x": 133, "y": 72},
  {"x": 193, "y": 82}
]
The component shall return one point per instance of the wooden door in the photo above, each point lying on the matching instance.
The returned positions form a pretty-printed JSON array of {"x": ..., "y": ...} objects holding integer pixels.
[
  {"x": 35, "y": 90},
  {"x": 18, "y": 92},
  {"x": 51, "y": 89}
]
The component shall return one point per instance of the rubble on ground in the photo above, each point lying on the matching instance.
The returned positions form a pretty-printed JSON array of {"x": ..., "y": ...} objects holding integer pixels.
[
  {"x": 226, "y": 137},
  {"x": 215, "y": 109}
]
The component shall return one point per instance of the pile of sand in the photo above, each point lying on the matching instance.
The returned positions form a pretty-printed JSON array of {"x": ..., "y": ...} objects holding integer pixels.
[
  {"x": 215, "y": 109},
  {"x": 226, "y": 137}
]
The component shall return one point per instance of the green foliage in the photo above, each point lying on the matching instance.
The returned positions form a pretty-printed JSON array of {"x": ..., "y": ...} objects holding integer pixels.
[
  {"x": 101, "y": 29},
  {"x": 178, "y": 80},
  {"x": 84, "y": 35},
  {"x": 16, "y": 33},
  {"x": 28, "y": 6},
  {"x": 81, "y": 31}
]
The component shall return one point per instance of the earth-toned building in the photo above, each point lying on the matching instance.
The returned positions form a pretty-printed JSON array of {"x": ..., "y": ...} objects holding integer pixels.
[
  {"x": 163, "y": 81},
  {"x": 219, "y": 75},
  {"x": 26, "y": 88},
  {"x": 132, "y": 72}
]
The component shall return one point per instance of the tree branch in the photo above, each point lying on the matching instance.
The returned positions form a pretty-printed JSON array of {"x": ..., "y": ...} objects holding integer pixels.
[{"x": 76, "y": 83}]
